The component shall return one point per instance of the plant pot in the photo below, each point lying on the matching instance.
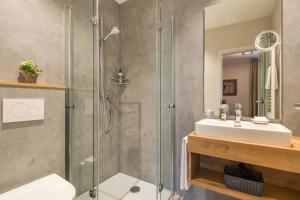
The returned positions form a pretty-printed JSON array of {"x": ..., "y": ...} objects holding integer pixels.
[{"x": 27, "y": 78}]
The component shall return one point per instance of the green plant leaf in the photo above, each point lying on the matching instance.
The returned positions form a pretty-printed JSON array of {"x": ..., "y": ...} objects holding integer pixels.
[{"x": 28, "y": 67}]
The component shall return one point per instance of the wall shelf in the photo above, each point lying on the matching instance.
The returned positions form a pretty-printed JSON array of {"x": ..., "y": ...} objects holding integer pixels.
[
  {"x": 214, "y": 181},
  {"x": 256, "y": 154},
  {"x": 31, "y": 85},
  {"x": 208, "y": 156}
]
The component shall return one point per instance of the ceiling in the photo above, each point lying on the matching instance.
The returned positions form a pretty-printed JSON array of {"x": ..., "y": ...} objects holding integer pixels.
[
  {"x": 121, "y": 1},
  {"x": 236, "y": 11}
]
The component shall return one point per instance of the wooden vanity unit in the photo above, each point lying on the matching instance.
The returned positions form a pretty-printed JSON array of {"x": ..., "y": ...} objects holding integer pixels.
[{"x": 280, "y": 166}]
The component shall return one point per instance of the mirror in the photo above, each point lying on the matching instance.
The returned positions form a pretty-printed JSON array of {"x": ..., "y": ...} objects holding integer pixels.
[
  {"x": 243, "y": 57},
  {"x": 267, "y": 41}
]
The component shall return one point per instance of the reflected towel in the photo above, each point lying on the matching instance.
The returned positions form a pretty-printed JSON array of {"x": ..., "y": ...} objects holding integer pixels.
[
  {"x": 184, "y": 184},
  {"x": 269, "y": 77}
]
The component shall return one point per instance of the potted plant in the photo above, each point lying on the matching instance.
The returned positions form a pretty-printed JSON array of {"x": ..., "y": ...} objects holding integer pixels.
[{"x": 29, "y": 72}]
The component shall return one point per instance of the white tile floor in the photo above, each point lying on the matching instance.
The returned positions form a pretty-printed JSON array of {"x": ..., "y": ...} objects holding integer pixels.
[{"x": 118, "y": 188}]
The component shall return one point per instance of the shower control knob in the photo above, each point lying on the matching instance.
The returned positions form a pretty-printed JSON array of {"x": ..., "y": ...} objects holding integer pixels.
[
  {"x": 172, "y": 106},
  {"x": 70, "y": 106}
]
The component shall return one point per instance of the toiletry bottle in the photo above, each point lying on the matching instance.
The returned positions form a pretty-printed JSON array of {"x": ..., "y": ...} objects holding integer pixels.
[
  {"x": 226, "y": 109},
  {"x": 120, "y": 76},
  {"x": 209, "y": 114},
  {"x": 238, "y": 115},
  {"x": 223, "y": 110}
]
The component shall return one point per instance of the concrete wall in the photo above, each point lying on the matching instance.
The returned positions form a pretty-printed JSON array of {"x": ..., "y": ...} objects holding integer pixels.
[
  {"x": 31, "y": 150},
  {"x": 138, "y": 60},
  {"x": 41, "y": 41},
  {"x": 32, "y": 29},
  {"x": 291, "y": 62},
  {"x": 189, "y": 63},
  {"x": 189, "y": 80},
  {"x": 109, "y": 144}
]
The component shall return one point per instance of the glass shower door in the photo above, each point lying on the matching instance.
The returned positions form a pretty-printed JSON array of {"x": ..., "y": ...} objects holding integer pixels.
[
  {"x": 166, "y": 102},
  {"x": 261, "y": 101},
  {"x": 82, "y": 97}
]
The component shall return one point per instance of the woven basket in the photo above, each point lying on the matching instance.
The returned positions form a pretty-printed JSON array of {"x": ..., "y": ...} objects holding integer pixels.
[
  {"x": 253, "y": 187},
  {"x": 27, "y": 78}
]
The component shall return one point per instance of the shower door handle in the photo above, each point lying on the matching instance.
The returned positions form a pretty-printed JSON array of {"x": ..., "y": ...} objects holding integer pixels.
[{"x": 172, "y": 106}]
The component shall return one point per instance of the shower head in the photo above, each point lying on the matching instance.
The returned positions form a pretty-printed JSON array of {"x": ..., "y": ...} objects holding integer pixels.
[{"x": 114, "y": 31}]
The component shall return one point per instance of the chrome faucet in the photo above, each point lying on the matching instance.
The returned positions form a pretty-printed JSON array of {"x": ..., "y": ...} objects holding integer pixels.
[{"x": 238, "y": 115}]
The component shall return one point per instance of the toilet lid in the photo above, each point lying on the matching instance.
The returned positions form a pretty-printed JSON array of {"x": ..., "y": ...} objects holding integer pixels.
[{"x": 48, "y": 188}]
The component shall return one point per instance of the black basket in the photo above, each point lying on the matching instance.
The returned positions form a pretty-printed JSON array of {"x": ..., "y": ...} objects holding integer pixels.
[{"x": 243, "y": 180}]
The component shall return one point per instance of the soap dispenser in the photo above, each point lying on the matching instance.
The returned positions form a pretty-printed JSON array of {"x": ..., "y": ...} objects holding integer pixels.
[
  {"x": 238, "y": 115},
  {"x": 223, "y": 110}
]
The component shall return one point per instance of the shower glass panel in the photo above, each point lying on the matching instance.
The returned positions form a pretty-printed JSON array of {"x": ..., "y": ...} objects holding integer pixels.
[
  {"x": 112, "y": 142},
  {"x": 166, "y": 101},
  {"x": 81, "y": 99}
]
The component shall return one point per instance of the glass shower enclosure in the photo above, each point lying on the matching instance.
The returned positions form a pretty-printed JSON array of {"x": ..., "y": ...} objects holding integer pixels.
[
  {"x": 117, "y": 146},
  {"x": 166, "y": 105},
  {"x": 82, "y": 102}
]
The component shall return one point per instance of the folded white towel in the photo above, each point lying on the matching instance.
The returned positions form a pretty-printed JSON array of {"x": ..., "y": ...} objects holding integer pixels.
[{"x": 184, "y": 184}]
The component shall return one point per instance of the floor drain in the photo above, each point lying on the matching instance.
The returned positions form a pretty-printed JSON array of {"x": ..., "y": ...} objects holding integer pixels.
[{"x": 135, "y": 189}]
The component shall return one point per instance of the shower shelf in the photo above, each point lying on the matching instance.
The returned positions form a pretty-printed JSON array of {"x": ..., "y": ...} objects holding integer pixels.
[
  {"x": 119, "y": 83},
  {"x": 31, "y": 85}
]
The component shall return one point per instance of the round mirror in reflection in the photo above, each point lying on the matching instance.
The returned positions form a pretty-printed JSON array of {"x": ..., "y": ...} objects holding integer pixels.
[{"x": 267, "y": 40}]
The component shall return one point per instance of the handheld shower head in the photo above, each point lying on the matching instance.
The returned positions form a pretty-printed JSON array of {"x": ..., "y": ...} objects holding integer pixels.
[{"x": 114, "y": 31}]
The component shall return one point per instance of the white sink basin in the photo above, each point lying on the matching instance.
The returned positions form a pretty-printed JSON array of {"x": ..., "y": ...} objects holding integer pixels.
[{"x": 270, "y": 134}]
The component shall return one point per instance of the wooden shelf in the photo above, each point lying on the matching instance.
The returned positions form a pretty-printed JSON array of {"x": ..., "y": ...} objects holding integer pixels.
[
  {"x": 31, "y": 85},
  {"x": 280, "y": 166},
  {"x": 213, "y": 180},
  {"x": 281, "y": 158}
]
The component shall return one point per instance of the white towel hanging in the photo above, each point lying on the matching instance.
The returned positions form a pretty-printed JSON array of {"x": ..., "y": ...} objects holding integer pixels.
[
  {"x": 184, "y": 184},
  {"x": 269, "y": 78}
]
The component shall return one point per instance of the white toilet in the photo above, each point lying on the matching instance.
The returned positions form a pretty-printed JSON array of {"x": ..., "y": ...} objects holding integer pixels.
[{"x": 51, "y": 187}]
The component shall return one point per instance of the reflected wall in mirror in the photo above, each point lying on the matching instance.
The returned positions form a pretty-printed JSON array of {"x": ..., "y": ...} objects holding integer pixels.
[{"x": 243, "y": 57}]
